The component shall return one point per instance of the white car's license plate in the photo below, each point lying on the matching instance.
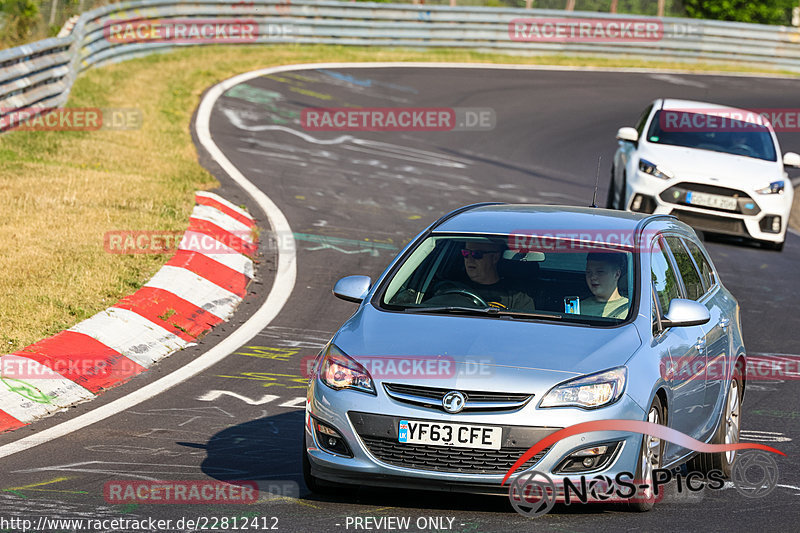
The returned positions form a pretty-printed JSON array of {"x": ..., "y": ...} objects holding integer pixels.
[
  {"x": 444, "y": 434},
  {"x": 711, "y": 200}
]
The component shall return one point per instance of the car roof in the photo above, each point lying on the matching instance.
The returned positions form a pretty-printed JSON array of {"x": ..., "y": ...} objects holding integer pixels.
[{"x": 505, "y": 219}]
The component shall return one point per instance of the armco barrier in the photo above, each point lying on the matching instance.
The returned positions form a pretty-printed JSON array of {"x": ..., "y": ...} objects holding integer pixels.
[{"x": 41, "y": 74}]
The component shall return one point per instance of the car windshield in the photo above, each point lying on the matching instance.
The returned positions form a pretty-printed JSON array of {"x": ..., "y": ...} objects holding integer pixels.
[
  {"x": 564, "y": 280},
  {"x": 714, "y": 133}
]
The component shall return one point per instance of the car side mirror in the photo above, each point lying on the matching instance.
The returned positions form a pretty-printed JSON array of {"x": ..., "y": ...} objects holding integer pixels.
[
  {"x": 352, "y": 288},
  {"x": 684, "y": 313},
  {"x": 628, "y": 134},
  {"x": 791, "y": 159}
]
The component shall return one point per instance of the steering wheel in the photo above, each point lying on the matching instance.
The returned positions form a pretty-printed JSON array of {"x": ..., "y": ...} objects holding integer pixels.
[
  {"x": 743, "y": 148},
  {"x": 476, "y": 299}
]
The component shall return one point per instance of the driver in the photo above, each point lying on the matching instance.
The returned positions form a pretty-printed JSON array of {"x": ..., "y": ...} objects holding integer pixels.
[
  {"x": 480, "y": 263},
  {"x": 603, "y": 271}
]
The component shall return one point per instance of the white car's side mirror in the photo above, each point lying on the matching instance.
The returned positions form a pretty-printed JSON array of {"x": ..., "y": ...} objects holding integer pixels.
[
  {"x": 628, "y": 134},
  {"x": 791, "y": 159}
]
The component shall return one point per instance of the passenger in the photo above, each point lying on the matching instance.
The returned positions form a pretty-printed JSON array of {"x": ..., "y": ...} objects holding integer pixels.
[{"x": 603, "y": 271}]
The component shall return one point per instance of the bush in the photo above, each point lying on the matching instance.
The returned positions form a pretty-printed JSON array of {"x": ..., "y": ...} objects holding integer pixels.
[
  {"x": 20, "y": 20},
  {"x": 762, "y": 12}
]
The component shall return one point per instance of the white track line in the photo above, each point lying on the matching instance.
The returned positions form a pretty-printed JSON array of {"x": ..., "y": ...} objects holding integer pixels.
[{"x": 278, "y": 296}]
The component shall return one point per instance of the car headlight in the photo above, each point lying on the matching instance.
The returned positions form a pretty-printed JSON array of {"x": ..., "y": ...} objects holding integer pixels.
[
  {"x": 776, "y": 187},
  {"x": 650, "y": 168},
  {"x": 594, "y": 390},
  {"x": 338, "y": 372}
]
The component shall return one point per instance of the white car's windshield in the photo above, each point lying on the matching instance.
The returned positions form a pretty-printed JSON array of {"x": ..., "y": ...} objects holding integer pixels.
[
  {"x": 563, "y": 280},
  {"x": 708, "y": 132}
]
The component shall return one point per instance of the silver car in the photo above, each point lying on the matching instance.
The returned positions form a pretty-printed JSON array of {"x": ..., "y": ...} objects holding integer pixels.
[{"x": 500, "y": 324}]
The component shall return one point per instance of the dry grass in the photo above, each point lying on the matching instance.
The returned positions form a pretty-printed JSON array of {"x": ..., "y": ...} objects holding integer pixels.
[{"x": 62, "y": 191}]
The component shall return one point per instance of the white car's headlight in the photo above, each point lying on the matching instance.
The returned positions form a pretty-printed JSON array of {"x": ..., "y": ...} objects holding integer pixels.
[
  {"x": 776, "y": 187},
  {"x": 338, "y": 372},
  {"x": 658, "y": 172},
  {"x": 594, "y": 390}
]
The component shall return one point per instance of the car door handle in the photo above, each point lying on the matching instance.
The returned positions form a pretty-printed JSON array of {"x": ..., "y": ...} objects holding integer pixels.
[
  {"x": 723, "y": 323},
  {"x": 701, "y": 344}
]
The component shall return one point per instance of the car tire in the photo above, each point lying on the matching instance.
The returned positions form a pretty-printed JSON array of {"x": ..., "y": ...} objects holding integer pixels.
[
  {"x": 776, "y": 246},
  {"x": 651, "y": 455},
  {"x": 727, "y": 432},
  {"x": 623, "y": 202},
  {"x": 320, "y": 486},
  {"x": 610, "y": 197}
]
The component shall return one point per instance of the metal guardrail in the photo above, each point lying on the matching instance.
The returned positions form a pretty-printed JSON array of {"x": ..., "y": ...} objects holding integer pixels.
[{"x": 41, "y": 74}]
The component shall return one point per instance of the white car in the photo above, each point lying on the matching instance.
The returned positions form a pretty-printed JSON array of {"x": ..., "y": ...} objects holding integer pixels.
[{"x": 717, "y": 168}]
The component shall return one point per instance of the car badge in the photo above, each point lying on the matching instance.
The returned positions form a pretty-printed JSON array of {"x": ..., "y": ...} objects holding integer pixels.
[{"x": 453, "y": 402}]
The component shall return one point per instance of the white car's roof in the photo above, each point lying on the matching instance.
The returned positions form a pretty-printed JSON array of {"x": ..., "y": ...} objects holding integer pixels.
[{"x": 745, "y": 115}]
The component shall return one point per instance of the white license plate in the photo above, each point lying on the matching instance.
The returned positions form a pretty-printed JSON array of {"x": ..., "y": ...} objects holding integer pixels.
[
  {"x": 444, "y": 434},
  {"x": 712, "y": 200}
]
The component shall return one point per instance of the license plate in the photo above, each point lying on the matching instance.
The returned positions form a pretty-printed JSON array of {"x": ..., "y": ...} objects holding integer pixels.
[
  {"x": 444, "y": 434},
  {"x": 712, "y": 200}
]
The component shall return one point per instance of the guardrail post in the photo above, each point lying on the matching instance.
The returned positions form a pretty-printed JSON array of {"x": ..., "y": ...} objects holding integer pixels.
[{"x": 53, "y": 8}]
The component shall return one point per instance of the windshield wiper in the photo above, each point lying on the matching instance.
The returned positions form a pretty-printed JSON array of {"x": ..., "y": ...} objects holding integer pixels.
[
  {"x": 488, "y": 311},
  {"x": 454, "y": 309},
  {"x": 524, "y": 314}
]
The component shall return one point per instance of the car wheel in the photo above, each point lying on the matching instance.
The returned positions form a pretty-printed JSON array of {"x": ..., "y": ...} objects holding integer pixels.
[
  {"x": 623, "y": 202},
  {"x": 610, "y": 197},
  {"x": 650, "y": 459},
  {"x": 727, "y": 432}
]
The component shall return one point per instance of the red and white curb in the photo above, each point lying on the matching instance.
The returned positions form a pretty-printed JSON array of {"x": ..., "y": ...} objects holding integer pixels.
[{"x": 193, "y": 292}]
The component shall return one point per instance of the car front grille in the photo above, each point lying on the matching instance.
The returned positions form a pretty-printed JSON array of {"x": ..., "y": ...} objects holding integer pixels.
[
  {"x": 677, "y": 195},
  {"x": 379, "y": 433},
  {"x": 475, "y": 400},
  {"x": 728, "y": 226},
  {"x": 446, "y": 458}
]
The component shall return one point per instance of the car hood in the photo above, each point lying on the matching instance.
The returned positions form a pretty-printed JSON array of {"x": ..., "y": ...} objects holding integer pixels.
[
  {"x": 560, "y": 350},
  {"x": 717, "y": 168}
]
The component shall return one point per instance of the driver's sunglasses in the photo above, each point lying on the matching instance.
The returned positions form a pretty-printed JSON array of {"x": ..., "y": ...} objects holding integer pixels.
[{"x": 475, "y": 254}]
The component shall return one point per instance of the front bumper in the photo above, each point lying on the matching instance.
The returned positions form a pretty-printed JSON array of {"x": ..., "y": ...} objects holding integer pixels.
[
  {"x": 755, "y": 218},
  {"x": 358, "y": 417}
]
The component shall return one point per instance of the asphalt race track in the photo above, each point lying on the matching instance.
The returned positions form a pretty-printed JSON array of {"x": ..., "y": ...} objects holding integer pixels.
[{"x": 352, "y": 200}]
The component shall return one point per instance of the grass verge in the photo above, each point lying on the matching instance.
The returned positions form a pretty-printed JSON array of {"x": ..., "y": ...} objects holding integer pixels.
[{"x": 63, "y": 190}]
